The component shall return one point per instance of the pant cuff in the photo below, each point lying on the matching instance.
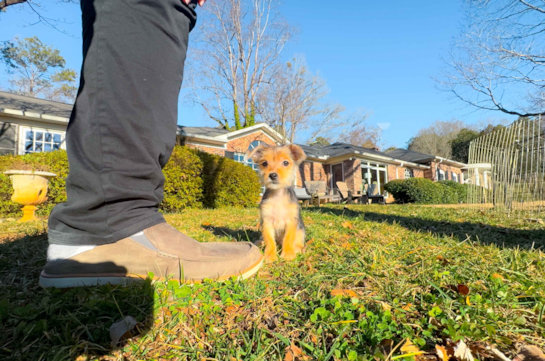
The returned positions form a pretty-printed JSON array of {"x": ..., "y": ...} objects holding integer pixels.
[{"x": 76, "y": 239}]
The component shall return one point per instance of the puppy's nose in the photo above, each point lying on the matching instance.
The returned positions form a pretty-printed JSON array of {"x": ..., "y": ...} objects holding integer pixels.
[{"x": 273, "y": 176}]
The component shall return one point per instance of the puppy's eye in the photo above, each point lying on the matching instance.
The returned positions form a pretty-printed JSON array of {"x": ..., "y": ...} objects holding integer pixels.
[
  {"x": 286, "y": 163},
  {"x": 264, "y": 164}
]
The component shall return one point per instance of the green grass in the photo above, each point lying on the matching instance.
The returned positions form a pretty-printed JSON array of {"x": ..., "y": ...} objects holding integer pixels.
[{"x": 401, "y": 264}]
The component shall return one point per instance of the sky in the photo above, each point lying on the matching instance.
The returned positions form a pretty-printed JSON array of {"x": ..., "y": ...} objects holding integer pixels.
[{"x": 381, "y": 56}]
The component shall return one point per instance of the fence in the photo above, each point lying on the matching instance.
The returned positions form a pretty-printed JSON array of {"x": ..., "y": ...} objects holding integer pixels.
[{"x": 507, "y": 168}]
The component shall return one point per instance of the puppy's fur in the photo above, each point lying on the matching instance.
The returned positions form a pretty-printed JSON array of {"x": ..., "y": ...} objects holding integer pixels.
[{"x": 281, "y": 221}]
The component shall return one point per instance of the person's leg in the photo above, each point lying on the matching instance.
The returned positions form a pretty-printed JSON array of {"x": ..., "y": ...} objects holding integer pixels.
[
  {"x": 123, "y": 127},
  {"x": 120, "y": 136}
]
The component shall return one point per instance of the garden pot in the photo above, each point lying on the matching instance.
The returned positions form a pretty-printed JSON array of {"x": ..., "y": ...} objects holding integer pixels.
[{"x": 29, "y": 189}]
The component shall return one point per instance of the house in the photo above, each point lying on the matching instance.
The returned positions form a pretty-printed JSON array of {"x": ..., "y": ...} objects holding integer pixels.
[
  {"x": 34, "y": 125},
  {"x": 440, "y": 168},
  {"x": 31, "y": 125}
]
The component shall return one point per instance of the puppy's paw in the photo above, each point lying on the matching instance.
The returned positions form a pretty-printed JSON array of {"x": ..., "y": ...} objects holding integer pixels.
[
  {"x": 289, "y": 256},
  {"x": 270, "y": 257}
]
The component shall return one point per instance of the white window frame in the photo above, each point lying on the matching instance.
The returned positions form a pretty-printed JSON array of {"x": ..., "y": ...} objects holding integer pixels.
[
  {"x": 441, "y": 173},
  {"x": 411, "y": 173},
  {"x": 22, "y": 137},
  {"x": 455, "y": 177}
]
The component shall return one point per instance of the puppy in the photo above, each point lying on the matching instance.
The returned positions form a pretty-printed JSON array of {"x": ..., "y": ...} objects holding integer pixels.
[{"x": 281, "y": 221}]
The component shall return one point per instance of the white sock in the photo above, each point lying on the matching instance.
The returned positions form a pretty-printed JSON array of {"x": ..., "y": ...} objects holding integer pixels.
[{"x": 61, "y": 251}]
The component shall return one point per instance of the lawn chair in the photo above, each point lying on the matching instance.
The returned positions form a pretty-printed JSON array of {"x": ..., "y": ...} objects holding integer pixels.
[
  {"x": 374, "y": 194},
  {"x": 302, "y": 195},
  {"x": 346, "y": 194},
  {"x": 319, "y": 192}
]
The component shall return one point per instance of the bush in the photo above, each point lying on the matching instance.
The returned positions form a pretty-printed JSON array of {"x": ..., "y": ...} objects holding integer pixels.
[
  {"x": 55, "y": 162},
  {"x": 461, "y": 189},
  {"x": 192, "y": 179},
  {"x": 183, "y": 181},
  {"x": 422, "y": 191},
  {"x": 228, "y": 183},
  {"x": 397, "y": 190}
]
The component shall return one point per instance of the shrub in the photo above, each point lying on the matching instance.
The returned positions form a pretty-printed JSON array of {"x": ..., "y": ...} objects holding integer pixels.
[
  {"x": 192, "y": 179},
  {"x": 228, "y": 183},
  {"x": 422, "y": 191},
  {"x": 397, "y": 190},
  {"x": 183, "y": 181},
  {"x": 461, "y": 189},
  {"x": 55, "y": 162}
]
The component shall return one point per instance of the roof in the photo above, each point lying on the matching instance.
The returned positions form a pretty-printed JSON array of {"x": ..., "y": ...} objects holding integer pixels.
[
  {"x": 21, "y": 103},
  {"x": 410, "y": 155},
  {"x": 202, "y": 131},
  {"x": 338, "y": 149}
]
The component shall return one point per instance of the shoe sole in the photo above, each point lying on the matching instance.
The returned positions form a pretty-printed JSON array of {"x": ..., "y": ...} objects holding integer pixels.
[{"x": 71, "y": 282}]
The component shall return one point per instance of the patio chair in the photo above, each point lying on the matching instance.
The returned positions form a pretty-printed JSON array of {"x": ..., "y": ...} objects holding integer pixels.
[
  {"x": 319, "y": 192},
  {"x": 346, "y": 194},
  {"x": 374, "y": 194},
  {"x": 302, "y": 195}
]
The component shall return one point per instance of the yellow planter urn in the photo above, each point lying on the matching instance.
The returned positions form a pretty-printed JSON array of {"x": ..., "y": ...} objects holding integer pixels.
[{"x": 29, "y": 189}]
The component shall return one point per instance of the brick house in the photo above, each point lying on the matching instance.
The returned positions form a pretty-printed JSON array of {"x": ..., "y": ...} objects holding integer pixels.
[{"x": 35, "y": 125}]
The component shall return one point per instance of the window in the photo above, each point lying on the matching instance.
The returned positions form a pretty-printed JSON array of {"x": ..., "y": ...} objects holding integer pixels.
[
  {"x": 375, "y": 176},
  {"x": 37, "y": 141},
  {"x": 240, "y": 157},
  {"x": 408, "y": 173},
  {"x": 454, "y": 177},
  {"x": 440, "y": 175}
]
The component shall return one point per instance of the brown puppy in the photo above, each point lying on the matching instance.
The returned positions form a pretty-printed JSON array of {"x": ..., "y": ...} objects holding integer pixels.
[{"x": 280, "y": 213}]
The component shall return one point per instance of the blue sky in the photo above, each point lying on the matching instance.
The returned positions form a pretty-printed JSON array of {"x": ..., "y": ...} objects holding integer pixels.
[{"x": 377, "y": 55}]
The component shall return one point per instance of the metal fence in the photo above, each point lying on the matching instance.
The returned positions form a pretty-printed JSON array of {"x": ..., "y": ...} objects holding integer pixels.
[{"x": 507, "y": 168}]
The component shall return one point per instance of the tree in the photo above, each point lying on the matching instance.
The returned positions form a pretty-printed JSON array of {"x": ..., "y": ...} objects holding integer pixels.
[
  {"x": 460, "y": 144},
  {"x": 361, "y": 135},
  {"x": 498, "y": 63},
  {"x": 35, "y": 6},
  {"x": 294, "y": 103},
  {"x": 319, "y": 142},
  {"x": 235, "y": 56},
  {"x": 435, "y": 139},
  {"x": 39, "y": 70}
]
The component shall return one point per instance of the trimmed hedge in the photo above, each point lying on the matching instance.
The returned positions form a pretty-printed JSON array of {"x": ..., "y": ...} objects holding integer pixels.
[
  {"x": 192, "y": 179},
  {"x": 461, "y": 189},
  {"x": 228, "y": 183},
  {"x": 183, "y": 181},
  {"x": 424, "y": 191}
]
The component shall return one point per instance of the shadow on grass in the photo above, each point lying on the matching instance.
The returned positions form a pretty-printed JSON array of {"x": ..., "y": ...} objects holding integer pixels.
[
  {"x": 53, "y": 324},
  {"x": 240, "y": 235},
  {"x": 483, "y": 233}
]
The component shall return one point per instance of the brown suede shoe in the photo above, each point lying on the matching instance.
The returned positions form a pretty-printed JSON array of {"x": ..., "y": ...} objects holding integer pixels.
[{"x": 162, "y": 250}]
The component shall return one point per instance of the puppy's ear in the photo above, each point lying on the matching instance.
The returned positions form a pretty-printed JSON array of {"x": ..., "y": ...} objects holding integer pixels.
[
  {"x": 256, "y": 153},
  {"x": 297, "y": 153}
]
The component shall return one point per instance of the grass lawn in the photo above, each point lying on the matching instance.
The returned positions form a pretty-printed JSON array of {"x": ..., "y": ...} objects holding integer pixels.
[{"x": 370, "y": 274}]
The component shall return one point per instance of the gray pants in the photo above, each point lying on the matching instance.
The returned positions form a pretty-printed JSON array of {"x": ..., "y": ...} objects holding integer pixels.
[{"x": 123, "y": 127}]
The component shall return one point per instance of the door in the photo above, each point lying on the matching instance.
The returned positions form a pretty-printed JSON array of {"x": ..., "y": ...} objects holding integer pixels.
[{"x": 336, "y": 175}]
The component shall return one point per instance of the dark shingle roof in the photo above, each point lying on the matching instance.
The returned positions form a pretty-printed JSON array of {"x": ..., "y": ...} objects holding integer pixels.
[
  {"x": 337, "y": 149},
  {"x": 409, "y": 155},
  {"x": 35, "y": 105},
  {"x": 202, "y": 131}
]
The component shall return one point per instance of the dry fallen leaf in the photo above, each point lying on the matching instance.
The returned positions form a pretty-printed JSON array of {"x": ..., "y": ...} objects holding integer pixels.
[
  {"x": 462, "y": 352},
  {"x": 387, "y": 346},
  {"x": 292, "y": 353},
  {"x": 444, "y": 352},
  {"x": 348, "y": 225},
  {"x": 348, "y": 293},
  {"x": 497, "y": 276},
  {"x": 385, "y": 306},
  {"x": 407, "y": 306},
  {"x": 409, "y": 347},
  {"x": 206, "y": 224},
  {"x": 463, "y": 290},
  {"x": 530, "y": 353},
  {"x": 443, "y": 260},
  {"x": 122, "y": 329}
]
